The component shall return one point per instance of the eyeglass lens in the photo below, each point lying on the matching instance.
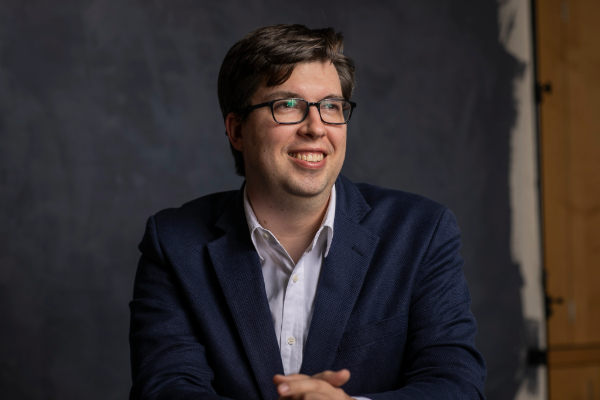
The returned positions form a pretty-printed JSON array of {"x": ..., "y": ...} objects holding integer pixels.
[{"x": 294, "y": 110}]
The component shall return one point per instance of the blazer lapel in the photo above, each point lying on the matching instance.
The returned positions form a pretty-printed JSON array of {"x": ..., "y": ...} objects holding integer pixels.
[
  {"x": 239, "y": 273},
  {"x": 342, "y": 275}
]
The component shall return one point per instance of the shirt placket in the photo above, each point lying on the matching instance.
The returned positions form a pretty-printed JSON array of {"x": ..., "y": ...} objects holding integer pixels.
[{"x": 292, "y": 330}]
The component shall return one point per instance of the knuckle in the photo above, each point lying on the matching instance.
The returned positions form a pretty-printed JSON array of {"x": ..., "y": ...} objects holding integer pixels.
[{"x": 320, "y": 384}]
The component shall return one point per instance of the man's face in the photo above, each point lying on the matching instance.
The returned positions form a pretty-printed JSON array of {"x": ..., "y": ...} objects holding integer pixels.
[{"x": 276, "y": 156}]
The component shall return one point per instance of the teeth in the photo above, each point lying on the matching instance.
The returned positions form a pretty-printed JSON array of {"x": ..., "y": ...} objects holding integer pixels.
[{"x": 308, "y": 157}]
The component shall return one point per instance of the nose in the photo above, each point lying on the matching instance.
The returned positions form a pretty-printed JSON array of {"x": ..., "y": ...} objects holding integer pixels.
[{"x": 313, "y": 126}]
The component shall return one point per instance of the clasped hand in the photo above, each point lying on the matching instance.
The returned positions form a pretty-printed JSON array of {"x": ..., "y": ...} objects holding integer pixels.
[{"x": 322, "y": 386}]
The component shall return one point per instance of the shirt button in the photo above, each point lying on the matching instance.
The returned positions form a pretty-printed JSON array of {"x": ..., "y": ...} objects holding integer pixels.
[
  {"x": 291, "y": 340},
  {"x": 265, "y": 235},
  {"x": 295, "y": 278}
]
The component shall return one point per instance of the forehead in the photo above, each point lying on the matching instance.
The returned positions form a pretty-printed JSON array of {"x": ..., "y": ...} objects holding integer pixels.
[{"x": 312, "y": 81}]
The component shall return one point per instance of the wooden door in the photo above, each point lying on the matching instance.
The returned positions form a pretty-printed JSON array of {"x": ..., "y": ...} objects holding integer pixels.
[{"x": 568, "y": 55}]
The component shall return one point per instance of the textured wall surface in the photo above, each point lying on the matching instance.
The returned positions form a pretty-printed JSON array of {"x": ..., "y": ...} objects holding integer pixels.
[{"x": 109, "y": 112}]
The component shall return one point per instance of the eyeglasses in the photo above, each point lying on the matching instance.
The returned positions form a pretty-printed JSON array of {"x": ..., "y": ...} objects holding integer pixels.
[{"x": 294, "y": 111}]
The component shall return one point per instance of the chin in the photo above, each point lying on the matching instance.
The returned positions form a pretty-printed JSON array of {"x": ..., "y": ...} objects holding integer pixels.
[{"x": 306, "y": 189}]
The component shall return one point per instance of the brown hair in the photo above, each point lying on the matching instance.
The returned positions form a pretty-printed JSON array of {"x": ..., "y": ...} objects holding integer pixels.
[{"x": 270, "y": 55}]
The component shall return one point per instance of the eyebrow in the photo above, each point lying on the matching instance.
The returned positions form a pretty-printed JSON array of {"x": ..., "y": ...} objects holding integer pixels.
[{"x": 286, "y": 95}]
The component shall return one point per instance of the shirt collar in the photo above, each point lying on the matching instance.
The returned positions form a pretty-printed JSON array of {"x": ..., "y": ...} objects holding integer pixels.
[{"x": 327, "y": 223}]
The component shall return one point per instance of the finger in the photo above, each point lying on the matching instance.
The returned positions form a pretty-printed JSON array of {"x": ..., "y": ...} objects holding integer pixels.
[
  {"x": 336, "y": 379},
  {"x": 305, "y": 386},
  {"x": 277, "y": 379},
  {"x": 307, "y": 396},
  {"x": 302, "y": 396}
]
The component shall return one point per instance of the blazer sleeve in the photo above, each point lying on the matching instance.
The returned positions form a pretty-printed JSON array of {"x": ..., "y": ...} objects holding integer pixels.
[
  {"x": 167, "y": 359},
  {"x": 440, "y": 360}
]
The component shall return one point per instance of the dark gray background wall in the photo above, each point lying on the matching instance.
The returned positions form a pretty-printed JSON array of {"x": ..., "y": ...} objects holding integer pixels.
[{"x": 109, "y": 113}]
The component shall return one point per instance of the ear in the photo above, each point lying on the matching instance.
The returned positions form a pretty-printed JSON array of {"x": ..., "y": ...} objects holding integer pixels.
[{"x": 233, "y": 124}]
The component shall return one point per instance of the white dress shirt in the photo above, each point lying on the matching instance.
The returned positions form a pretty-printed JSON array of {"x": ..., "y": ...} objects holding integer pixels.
[{"x": 290, "y": 288}]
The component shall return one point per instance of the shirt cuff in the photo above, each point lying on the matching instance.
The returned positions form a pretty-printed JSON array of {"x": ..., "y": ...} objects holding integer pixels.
[{"x": 361, "y": 398}]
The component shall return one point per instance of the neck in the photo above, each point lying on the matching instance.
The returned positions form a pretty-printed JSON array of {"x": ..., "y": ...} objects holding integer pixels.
[{"x": 294, "y": 220}]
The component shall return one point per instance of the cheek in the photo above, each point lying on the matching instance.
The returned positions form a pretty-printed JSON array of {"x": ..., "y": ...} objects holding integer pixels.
[
  {"x": 275, "y": 142},
  {"x": 264, "y": 149},
  {"x": 256, "y": 144},
  {"x": 270, "y": 143},
  {"x": 339, "y": 141}
]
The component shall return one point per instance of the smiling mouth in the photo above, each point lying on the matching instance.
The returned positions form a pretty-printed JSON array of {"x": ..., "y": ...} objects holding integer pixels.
[{"x": 306, "y": 156}]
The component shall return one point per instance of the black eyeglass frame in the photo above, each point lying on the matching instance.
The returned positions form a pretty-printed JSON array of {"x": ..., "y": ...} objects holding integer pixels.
[{"x": 309, "y": 104}]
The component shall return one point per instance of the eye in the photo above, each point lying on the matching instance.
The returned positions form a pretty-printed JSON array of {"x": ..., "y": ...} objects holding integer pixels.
[
  {"x": 287, "y": 104},
  {"x": 331, "y": 105}
]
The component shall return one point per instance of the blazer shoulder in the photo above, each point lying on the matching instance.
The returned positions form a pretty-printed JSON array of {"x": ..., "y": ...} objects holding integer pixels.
[
  {"x": 205, "y": 208},
  {"x": 195, "y": 218},
  {"x": 393, "y": 201}
]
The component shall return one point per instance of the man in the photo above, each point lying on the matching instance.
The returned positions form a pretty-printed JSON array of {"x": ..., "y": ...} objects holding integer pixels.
[{"x": 301, "y": 284}]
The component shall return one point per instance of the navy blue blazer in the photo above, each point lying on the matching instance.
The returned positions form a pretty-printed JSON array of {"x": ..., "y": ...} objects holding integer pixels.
[{"x": 392, "y": 304}]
